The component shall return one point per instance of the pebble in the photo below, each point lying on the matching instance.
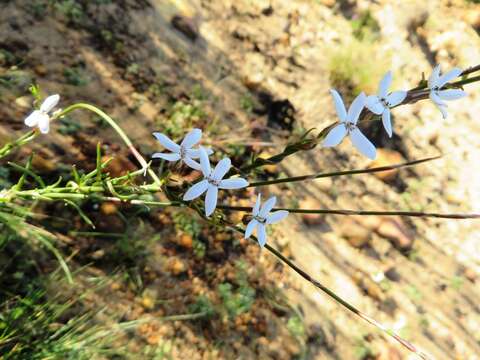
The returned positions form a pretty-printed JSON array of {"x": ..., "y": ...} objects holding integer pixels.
[
  {"x": 386, "y": 157},
  {"x": 357, "y": 235},
  {"x": 311, "y": 219},
  {"x": 397, "y": 233},
  {"x": 25, "y": 102}
]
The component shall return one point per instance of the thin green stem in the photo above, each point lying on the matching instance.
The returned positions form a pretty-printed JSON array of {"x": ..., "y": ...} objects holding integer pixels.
[
  {"x": 361, "y": 212},
  {"x": 335, "y": 297},
  {"x": 307, "y": 143},
  {"x": 342, "y": 173},
  {"x": 119, "y": 131},
  {"x": 25, "y": 138}
]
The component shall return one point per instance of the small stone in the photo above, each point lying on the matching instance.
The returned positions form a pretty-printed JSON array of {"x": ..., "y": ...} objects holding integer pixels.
[
  {"x": 185, "y": 240},
  {"x": 357, "y": 235},
  {"x": 154, "y": 339},
  {"x": 186, "y": 26},
  {"x": 148, "y": 302},
  {"x": 397, "y": 233},
  {"x": 115, "y": 286},
  {"x": 24, "y": 102},
  {"x": 253, "y": 82},
  {"x": 470, "y": 274},
  {"x": 392, "y": 274},
  {"x": 98, "y": 254},
  {"x": 108, "y": 208},
  {"x": 370, "y": 287},
  {"x": 40, "y": 70},
  {"x": 386, "y": 157},
  {"x": 311, "y": 219},
  {"x": 176, "y": 266}
]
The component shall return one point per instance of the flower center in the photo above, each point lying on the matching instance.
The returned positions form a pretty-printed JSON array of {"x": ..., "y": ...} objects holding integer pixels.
[
  {"x": 183, "y": 152},
  {"x": 212, "y": 181},
  {"x": 260, "y": 219},
  {"x": 350, "y": 126},
  {"x": 384, "y": 102}
]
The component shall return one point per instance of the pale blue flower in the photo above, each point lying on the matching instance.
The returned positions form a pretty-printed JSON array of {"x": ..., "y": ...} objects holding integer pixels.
[{"x": 263, "y": 217}]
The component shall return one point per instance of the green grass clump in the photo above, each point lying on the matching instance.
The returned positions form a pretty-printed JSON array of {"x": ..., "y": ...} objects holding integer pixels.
[
  {"x": 365, "y": 27},
  {"x": 184, "y": 115},
  {"x": 74, "y": 76},
  {"x": 356, "y": 67},
  {"x": 37, "y": 326},
  {"x": 71, "y": 9},
  {"x": 236, "y": 301}
]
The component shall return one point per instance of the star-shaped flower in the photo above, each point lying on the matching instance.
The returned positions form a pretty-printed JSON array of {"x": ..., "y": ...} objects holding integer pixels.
[
  {"x": 184, "y": 151},
  {"x": 437, "y": 94},
  {"x": 262, "y": 217},
  {"x": 381, "y": 103},
  {"x": 348, "y": 126},
  {"x": 213, "y": 180},
  {"x": 41, "y": 117}
]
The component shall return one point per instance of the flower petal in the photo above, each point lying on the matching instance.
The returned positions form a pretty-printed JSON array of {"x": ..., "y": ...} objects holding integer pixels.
[
  {"x": 451, "y": 94},
  {"x": 192, "y": 138},
  {"x": 339, "y": 105},
  {"x": 436, "y": 99},
  {"x": 445, "y": 78},
  {"x": 374, "y": 104},
  {"x": 385, "y": 84},
  {"x": 356, "y": 108},
  {"x": 44, "y": 123},
  {"x": 250, "y": 227},
  {"x": 49, "y": 103},
  {"x": 277, "y": 216},
  {"x": 335, "y": 136},
  {"x": 168, "y": 157},
  {"x": 196, "y": 190},
  {"x": 442, "y": 107},
  {"x": 433, "y": 79},
  {"x": 204, "y": 162},
  {"x": 443, "y": 110},
  {"x": 192, "y": 163},
  {"x": 362, "y": 144},
  {"x": 256, "y": 207},
  {"x": 211, "y": 200},
  {"x": 166, "y": 142},
  {"x": 32, "y": 119},
  {"x": 261, "y": 235},
  {"x": 267, "y": 206},
  {"x": 221, "y": 169},
  {"x": 396, "y": 97},
  {"x": 233, "y": 183},
  {"x": 387, "y": 122},
  {"x": 195, "y": 153}
]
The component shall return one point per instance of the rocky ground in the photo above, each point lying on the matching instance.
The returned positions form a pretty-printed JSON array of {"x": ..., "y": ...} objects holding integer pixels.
[{"x": 256, "y": 74}]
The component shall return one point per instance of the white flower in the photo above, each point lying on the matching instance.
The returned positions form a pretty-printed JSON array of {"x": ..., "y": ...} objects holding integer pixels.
[
  {"x": 213, "y": 180},
  {"x": 262, "y": 217},
  {"x": 184, "y": 151},
  {"x": 437, "y": 94},
  {"x": 348, "y": 126},
  {"x": 40, "y": 117},
  {"x": 381, "y": 103}
]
